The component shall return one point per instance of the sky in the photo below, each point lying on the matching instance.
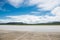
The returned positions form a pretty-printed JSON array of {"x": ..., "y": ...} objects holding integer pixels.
[{"x": 30, "y": 11}]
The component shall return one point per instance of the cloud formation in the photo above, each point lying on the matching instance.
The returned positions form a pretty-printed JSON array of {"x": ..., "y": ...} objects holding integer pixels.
[
  {"x": 52, "y": 5},
  {"x": 5, "y": 20},
  {"x": 56, "y": 11},
  {"x": 15, "y": 3},
  {"x": 32, "y": 19},
  {"x": 45, "y": 4}
]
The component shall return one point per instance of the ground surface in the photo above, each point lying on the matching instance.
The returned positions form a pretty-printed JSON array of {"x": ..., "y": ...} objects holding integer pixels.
[
  {"x": 36, "y": 28},
  {"x": 24, "y": 35}
]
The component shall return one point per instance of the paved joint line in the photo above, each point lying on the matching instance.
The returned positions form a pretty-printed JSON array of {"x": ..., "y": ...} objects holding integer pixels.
[
  {"x": 21, "y": 36},
  {"x": 48, "y": 36}
]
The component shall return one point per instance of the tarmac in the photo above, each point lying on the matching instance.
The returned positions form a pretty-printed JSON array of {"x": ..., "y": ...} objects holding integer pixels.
[{"x": 26, "y": 35}]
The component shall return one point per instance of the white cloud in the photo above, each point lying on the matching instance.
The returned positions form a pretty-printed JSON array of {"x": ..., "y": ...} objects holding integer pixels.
[
  {"x": 31, "y": 19},
  {"x": 45, "y": 4},
  {"x": 56, "y": 11},
  {"x": 25, "y": 18},
  {"x": 4, "y": 20},
  {"x": 15, "y": 3},
  {"x": 52, "y": 5}
]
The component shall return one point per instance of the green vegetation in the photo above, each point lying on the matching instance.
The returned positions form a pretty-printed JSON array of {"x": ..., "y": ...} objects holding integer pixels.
[{"x": 20, "y": 23}]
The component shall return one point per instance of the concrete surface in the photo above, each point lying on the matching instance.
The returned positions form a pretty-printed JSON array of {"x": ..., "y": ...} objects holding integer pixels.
[
  {"x": 33, "y": 28},
  {"x": 26, "y": 35}
]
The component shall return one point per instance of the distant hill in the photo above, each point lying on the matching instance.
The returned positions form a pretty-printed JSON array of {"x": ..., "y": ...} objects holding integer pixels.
[
  {"x": 12, "y": 23},
  {"x": 21, "y": 23}
]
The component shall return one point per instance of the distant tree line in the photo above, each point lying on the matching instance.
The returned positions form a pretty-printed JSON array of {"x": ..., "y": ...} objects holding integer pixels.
[{"x": 21, "y": 23}]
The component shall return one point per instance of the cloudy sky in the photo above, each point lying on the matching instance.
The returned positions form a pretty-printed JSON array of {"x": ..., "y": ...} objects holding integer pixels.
[{"x": 29, "y": 11}]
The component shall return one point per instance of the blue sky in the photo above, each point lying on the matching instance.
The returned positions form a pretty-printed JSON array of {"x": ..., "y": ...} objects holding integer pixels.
[
  {"x": 11, "y": 10},
  {"x": 16, "y": 11},
  {"x": 18, "y": 8}
]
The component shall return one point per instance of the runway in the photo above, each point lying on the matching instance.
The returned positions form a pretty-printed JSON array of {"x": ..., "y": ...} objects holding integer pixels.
[{"x": 33, "y": 28}]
